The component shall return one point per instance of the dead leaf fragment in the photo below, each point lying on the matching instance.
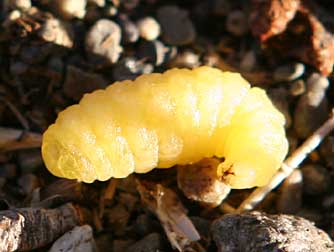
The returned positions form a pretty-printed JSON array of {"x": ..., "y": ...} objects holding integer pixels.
[
  {"x": 293, "y": 28},
  {"x": 171, "y": 213},
  {"x": 269, "y": 18}
]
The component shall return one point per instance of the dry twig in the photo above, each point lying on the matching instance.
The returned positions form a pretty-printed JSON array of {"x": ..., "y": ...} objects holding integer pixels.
[
  {"x": 14, "y": 139},
  {"x": 16, "y": 112},
  {"x": 289, "y": 165},
  {"x": 31, "y": 228},
  {"x": 165, "y": 204}
]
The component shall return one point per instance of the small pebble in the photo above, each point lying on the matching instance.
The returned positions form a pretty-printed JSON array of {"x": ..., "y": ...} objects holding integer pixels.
[
  {"x": 317, "y": 179},
  {"x": 129, "y": 68},
  {"x": 237, "y": 23},
  {"x": 130, "y": 32},
  {"x": 313, "y": 102},
  {"x": 150, "y": 243},
  {"x": 279, "y": 97},
  {"x": 289, "y": 72},
  {"x": 153, "y": 51},
  {"x": 111, "y": 11},
  {"x": 79, "y": 239},
  {"x": 290, "y": 196},
  {"x": 185, "y": 59},
  {"x": 78, "y": 82},
  {"x": 11, "y": 17},
  {"x": 69, "y": 9},
  {"x": 19, "y": 4},
  {"x": 176, "y": 27},
  {"x": 316, "y": 88},
  {"x": 305, "y": 123},
  {"x": 248, "y": 61},
  {"x": 255, "y": 232},
  {"x": 57, "y": 32},
  {"x": 149, "y": 28},
  {"x": 103, "y": 42},
  {"x": 297, "y": 88}
]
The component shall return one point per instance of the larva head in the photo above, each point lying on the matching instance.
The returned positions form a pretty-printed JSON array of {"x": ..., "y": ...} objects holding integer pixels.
[
  {"x": 63, "y": 157},
  {"x": 70, "y": 150}
]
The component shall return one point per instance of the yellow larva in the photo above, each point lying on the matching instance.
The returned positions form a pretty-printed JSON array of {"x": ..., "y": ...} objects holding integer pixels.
[{"x": 160, "y": 120}]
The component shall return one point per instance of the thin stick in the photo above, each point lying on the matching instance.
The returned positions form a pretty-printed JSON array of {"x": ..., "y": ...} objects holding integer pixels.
[
  {"x": 289, "y": 165},
  {"x": 17, "y": 113},
  {"x": 14, "y": 139}
]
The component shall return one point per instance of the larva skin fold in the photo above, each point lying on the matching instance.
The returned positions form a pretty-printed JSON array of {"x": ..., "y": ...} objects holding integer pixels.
[{"x": 160, "y": 120}]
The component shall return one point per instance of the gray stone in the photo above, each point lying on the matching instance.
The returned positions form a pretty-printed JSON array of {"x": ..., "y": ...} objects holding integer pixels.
[
  {"x": 177, "y": 28},
  {"x": 255, "y": 232},
  {"x": 77, "y": 82}
]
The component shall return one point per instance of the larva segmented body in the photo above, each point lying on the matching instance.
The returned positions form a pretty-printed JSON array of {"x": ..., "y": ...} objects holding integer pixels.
[{"x": 160, "y": 120}]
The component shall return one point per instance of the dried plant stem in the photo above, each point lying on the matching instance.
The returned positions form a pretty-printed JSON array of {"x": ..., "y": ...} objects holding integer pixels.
[
  {"x": 14, "y": 139},
  {"x": 288, "y": 166},
  {"x": 17, "y": 113},
  {"x": 30, "y": 228}
]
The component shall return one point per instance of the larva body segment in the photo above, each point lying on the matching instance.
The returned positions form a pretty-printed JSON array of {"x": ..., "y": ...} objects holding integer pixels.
[{"x": 160, "y": 120}]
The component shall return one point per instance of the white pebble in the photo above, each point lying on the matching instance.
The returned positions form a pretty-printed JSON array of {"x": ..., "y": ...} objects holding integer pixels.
[
  {"x": 19, "y": 4},
  {"x": 79, "y": 239},
  {"x": 149, "y": 28},
  {"x": 69, "y": 9}
]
